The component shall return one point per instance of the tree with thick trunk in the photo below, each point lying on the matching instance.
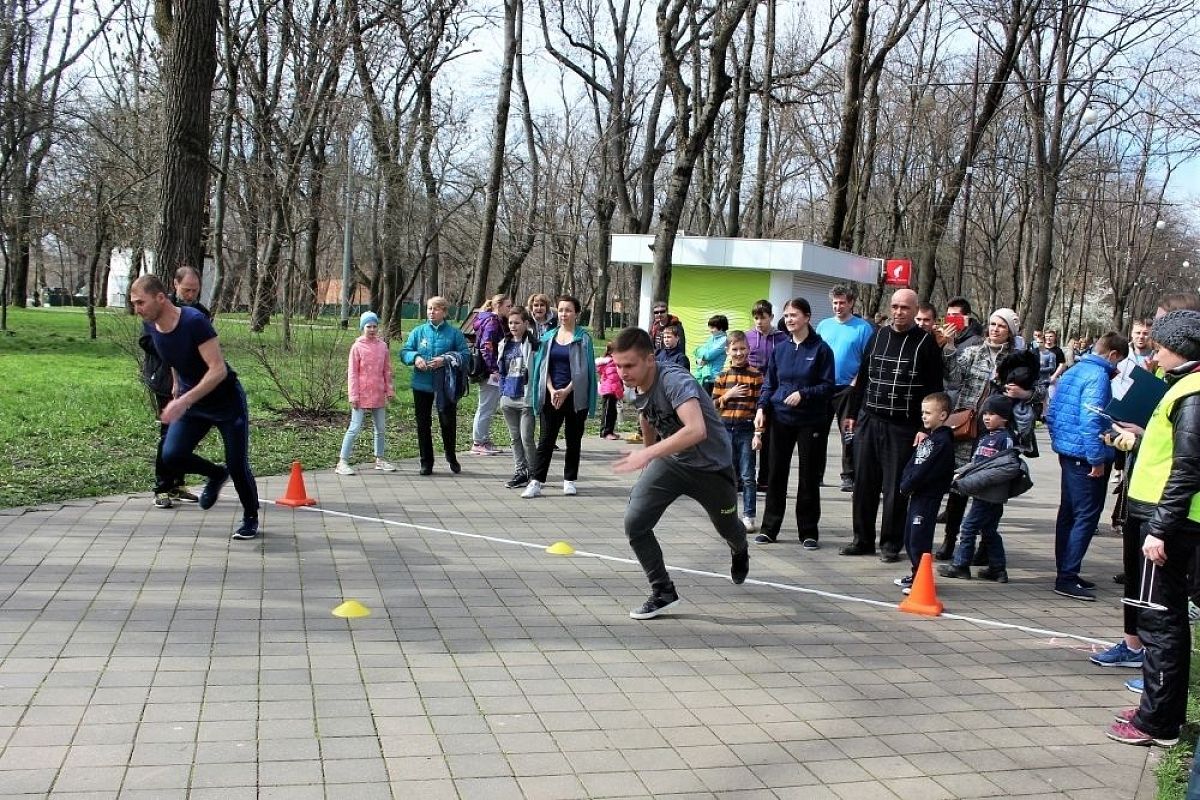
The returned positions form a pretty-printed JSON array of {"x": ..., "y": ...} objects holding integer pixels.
[{"x": 188, "y": 32}]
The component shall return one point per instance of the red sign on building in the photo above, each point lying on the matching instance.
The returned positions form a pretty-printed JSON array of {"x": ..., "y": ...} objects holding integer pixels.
[{"x": 897, "y": 272}]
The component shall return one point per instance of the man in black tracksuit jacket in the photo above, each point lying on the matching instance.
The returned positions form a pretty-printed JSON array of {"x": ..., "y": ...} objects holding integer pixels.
[{"x": 901, "y": 365}]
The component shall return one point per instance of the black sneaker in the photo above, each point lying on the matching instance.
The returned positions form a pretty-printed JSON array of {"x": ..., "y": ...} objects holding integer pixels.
[
  {"x": 847, "y": 484},
  {"x": 247, "y": 530},
  {"x": 889, "y": 556},
  {"x": 212, "y": 489},
  {"x": 740, "y": 567},
  {"x": 655, "y": 604},
  {"x": 518, "y": 480},
  {"x": 455, "y": 467},
  {"x": 182, "y": 495},
  {"x": 1085, "y": 584},
  {"x": 904, "y": 582},
  {"x": 1075, "y": 592},
  {"x": 426, "y": 470},
  {"x": 857, "y": 550},
  {"x": 997, "y": 575},
  {"x": 763, "y": 538},
  {"x": 955, "y": 571}
]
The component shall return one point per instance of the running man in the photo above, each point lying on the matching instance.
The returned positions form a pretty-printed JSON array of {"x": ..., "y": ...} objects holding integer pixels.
[
  {"x": 686, "y": 452},
  {"x": 206, "y": 394}
]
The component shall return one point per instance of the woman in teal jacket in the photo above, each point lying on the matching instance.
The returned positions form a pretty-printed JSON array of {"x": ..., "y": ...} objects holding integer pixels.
[
  {"x": 564, "y": 391},
  {"x": 432, "y": 348},
  {"x": 709, "y": 357}
]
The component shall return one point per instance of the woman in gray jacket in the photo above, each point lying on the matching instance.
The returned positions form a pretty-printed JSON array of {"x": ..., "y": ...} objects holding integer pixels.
[{"x": 564, "y": 391}]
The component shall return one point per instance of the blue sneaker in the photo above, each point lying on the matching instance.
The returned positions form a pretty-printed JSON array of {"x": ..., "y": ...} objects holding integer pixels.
[
  {"x": 1119, "y": 655},
  {"x": 1136, "y": 685}
]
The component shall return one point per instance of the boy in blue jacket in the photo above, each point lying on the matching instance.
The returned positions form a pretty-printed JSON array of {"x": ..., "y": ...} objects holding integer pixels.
[
  {"x": 925, "y": 481},
  {"x": 983, "y": 518}
]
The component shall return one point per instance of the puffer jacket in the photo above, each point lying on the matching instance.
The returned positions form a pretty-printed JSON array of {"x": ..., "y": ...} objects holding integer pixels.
[
  {"x": 610, "y": 378},
  {"x": 1169, "y": 516},
  {"x": 996, "y": 479},
  {"x": 1074, "y": 431},
  {"x": 369, "y": 373}
]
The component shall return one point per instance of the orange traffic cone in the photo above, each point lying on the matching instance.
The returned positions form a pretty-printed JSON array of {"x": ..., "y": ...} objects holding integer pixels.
[
  {"x": 923, "y": 597},
  {"x": 296, "y": 495}
]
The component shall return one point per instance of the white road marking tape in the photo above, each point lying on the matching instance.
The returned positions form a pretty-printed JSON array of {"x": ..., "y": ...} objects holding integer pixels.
[{"x": 787, "y": 587}]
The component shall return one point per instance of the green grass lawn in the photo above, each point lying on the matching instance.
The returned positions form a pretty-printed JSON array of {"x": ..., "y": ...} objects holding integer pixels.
[{"x": 75, "y": 420}]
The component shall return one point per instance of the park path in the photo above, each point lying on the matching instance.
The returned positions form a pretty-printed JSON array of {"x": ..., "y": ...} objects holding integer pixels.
[{"x": 144, "y": 655}]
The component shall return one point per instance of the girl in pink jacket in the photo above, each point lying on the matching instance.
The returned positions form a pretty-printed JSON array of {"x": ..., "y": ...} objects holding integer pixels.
[
  {"x": 611, "y": 390},
  {"x": 369, "y": 380}
]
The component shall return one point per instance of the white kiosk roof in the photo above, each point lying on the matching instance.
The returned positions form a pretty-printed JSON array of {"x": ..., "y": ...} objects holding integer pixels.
[{"x": 784, "y": 255}]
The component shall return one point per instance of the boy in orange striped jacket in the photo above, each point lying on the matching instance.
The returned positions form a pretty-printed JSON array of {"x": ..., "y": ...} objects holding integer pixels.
[{"x": 735, "y": 394}]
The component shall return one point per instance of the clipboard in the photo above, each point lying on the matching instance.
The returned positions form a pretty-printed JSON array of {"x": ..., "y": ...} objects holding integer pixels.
[{"x": 1140, "y": 399}]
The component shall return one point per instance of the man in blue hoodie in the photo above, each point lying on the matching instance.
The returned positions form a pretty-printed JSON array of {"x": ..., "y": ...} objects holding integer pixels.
[{"x": 1075, "y": 431}]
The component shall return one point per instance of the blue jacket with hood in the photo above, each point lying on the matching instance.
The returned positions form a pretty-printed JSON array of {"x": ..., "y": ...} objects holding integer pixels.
[{"x": 1074, "y": 430}]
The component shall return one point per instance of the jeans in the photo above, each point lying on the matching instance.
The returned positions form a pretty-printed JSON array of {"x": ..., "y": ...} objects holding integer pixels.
[
  {"x": 1079, "y": 508},
  {"x": 232, "y": 422},
  {"x": 660, "y": 485},
  {"x": 982, "y": 520},
  {"x": 552, "y": 420},
  {"x": 881, "y": 449},
  {"x": 919, "y": 526},
  {"x": 1167, "y": 639},
  {"x": 806, "y": 441},
  {"x": 164, "y": 479},
  {"x": 489, "y": 401},
  {"x": 608, "y": 417},
  {"x": 357, "y": 417},
  {"x": 519, "y": 418},
  {"x": 741, "y": 435},
  {"x": 447, "y": 421}
]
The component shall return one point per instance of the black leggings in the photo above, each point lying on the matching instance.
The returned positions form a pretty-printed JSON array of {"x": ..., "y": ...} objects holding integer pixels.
[{"x": 552, "y": 420}]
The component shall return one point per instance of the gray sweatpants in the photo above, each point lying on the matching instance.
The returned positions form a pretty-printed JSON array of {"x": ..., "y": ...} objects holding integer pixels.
[
  {"x": 519, "y": 418},
  {"x": 660, "y": 485}
]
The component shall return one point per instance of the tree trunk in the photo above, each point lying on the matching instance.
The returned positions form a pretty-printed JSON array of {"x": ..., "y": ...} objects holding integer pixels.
[
  {"x": 839, "y": 200},
  {"x": 491, "y": 204},
  {"x": 190, "y": 41}
]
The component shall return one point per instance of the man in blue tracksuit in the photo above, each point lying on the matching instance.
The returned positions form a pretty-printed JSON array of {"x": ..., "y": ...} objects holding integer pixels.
[{"x": 1075, "y": 431}]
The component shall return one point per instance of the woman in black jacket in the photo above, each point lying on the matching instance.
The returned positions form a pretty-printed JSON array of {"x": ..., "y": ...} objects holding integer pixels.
[{"x": 797, "y": 384}]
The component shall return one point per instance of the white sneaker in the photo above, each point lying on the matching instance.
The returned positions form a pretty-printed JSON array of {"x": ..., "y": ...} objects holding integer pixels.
[
  {"x": 569, "y": 488},
  {"x": 750, "y": 524},
  {"x": 384, "y": 466},
  {"x": 344, "y": 469},
  {"x": 534, "y": 489},
  {"x": 1117, "y": 475}
]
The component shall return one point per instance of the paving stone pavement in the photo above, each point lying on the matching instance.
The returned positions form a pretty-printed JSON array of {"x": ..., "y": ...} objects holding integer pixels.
[{"x": 144, "y": 655}]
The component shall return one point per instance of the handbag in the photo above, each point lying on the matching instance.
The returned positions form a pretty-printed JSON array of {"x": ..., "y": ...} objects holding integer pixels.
[
  {"x": 965, "y": 424},
  {"x": 965, "y": 421}
]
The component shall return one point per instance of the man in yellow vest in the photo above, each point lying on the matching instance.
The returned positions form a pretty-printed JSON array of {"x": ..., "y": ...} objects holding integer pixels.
[{"x": 1164, "y": 499}]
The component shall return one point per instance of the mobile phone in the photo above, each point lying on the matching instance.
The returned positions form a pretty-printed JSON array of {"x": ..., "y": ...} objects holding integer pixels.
[{"x": 958, "y": 321}]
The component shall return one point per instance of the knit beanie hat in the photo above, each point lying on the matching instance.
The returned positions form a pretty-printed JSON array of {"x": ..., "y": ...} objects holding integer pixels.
[
  {"x": 1179, "y": 332},
  {"x": 1000, "y": 405},
  {"x": 1010, "y": 319},
  {"x": 367, "y": 318}
]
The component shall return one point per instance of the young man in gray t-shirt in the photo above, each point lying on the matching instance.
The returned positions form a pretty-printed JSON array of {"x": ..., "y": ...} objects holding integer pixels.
[{"x": 686, "y": 452}]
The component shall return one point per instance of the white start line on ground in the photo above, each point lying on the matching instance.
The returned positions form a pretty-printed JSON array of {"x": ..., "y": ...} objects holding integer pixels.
[{"x": 787, "y": 587}]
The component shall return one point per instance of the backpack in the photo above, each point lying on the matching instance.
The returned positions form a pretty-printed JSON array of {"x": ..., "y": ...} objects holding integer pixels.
[{"x": 155, "y": 372}]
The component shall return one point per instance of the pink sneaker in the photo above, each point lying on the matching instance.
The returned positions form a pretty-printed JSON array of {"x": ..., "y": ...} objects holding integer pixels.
[
  {"x": 480, "y": 450},
  {"x": 1126, "y": 733},
  {"x": 1126, "y": 716}
]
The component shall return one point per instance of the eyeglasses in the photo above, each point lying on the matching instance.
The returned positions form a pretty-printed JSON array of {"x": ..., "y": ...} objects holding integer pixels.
[{"x": 660, "y": 311}]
